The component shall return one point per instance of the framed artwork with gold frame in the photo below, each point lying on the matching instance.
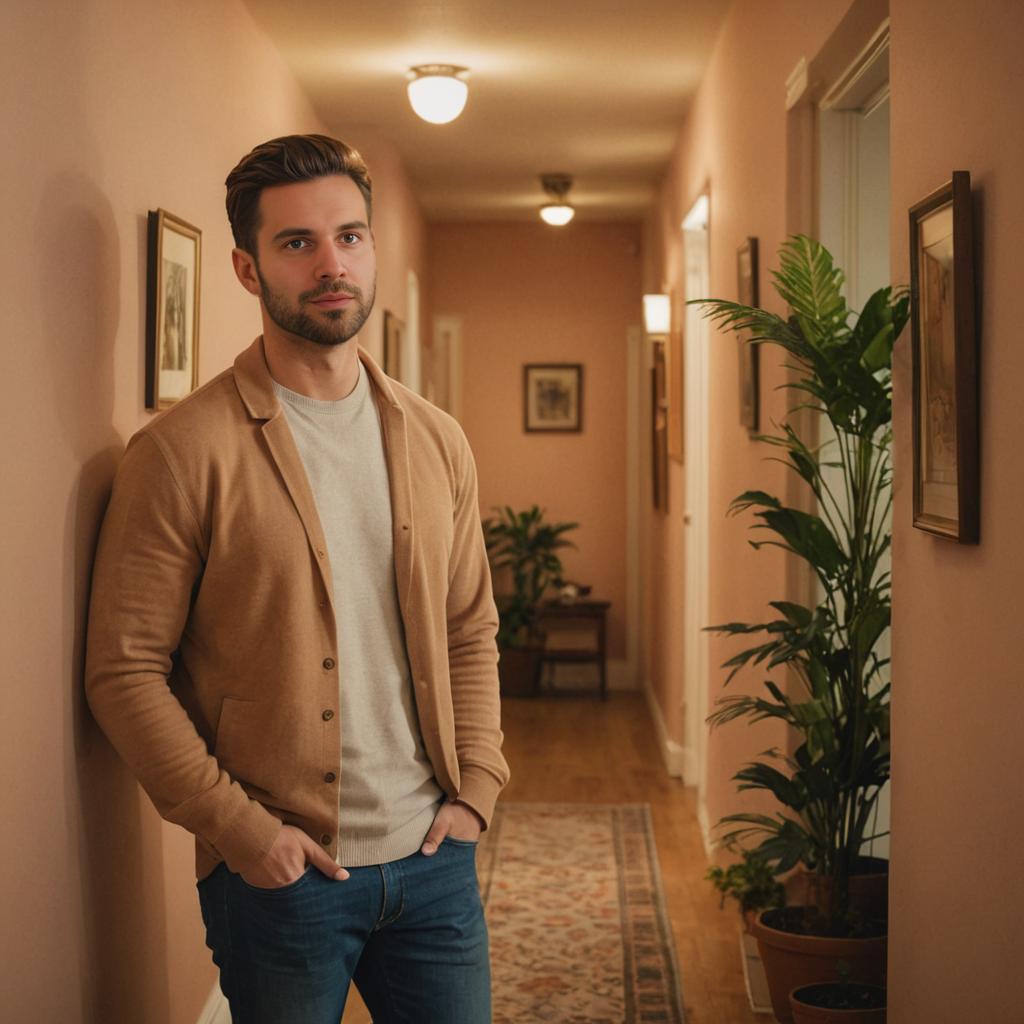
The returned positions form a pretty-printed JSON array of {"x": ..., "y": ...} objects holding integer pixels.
[
  {"x": 945, "y": 363},
  {"x": 173, "y": 271},
  {"x": 749, "y": 379}
]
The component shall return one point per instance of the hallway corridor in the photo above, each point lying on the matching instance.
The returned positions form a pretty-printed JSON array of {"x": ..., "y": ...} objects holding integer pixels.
[{"x": 584, "y": 751}]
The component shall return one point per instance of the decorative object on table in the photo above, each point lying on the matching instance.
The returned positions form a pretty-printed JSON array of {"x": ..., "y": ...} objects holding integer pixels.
[
  {"x": 525, "y": 545},
  {"x": 839, "y": 705},
  {"x": 394, "y": 336},
  {"x": 552, "y": 398},
  {"x": 173, "y": 270},
  {"x": 576, "y": 915},
  {"x": 659, "y": 428},
  {"x": 945, "y": 364},
  {"x": 752, "y": 883},
  {"x": 569, "y": 592},
  {"x": 750, "y": 383}
]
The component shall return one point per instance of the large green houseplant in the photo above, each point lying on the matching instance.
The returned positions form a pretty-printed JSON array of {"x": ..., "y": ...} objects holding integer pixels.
[
  {"x": 526, "y": 545},
  {"x": 838, "y": 708}
]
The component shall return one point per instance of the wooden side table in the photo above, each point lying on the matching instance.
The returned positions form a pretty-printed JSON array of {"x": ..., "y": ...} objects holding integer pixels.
[{"x": 584, "y": 624}]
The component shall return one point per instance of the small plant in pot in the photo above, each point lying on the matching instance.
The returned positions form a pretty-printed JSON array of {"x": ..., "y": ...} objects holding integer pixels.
[
  {"x": 525, "y": 545},
  {"x": 838, "y": 705},
  {"x": 752, "y": 883},
  {"x": 839, "y": 1002}
]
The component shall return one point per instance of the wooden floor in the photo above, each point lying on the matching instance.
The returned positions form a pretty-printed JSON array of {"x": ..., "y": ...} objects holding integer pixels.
[{"x": 580, "y": 750}]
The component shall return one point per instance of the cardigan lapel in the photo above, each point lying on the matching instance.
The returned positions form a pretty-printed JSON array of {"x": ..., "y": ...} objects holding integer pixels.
[{"x": 255, "y": 387}]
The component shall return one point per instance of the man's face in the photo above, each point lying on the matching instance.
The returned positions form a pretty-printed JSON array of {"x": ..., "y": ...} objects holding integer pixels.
[{"x": 317, "y": 265}]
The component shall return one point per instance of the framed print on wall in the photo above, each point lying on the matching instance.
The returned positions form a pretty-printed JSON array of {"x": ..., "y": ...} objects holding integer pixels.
[
  {"x": 172, "y": 309},
  {"x": 394, "y": 336},
  {"x": 553, "y": 397},
  {"x": 945, "y": 363},
  {"x": 746, "y": 284}
]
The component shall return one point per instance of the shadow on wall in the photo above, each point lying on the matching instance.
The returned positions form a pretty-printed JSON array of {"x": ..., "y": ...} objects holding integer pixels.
[{"x": 123, "y": 936}]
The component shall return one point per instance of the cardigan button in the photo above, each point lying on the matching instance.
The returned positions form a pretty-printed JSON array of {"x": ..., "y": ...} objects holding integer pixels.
[
  {"x": 325, "y": 840},
  {"x": 327, "y": 715},
  {"x": 328, "y": 663},
  {"x": 330, "y": 777}
]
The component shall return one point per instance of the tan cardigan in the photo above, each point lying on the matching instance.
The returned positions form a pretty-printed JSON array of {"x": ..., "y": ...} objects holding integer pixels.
[{"x": 211, "y": 656}]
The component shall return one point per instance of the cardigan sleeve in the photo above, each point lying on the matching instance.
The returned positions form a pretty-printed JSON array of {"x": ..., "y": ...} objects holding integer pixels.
[
  {"x": 149, "y": 560},
  {"x": 472, "y": 621}
]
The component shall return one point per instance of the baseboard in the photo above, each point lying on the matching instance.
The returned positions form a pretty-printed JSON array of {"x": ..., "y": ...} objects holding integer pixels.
[
  {"x": 705, "y": 829},
  {"x": 216, "y": 1010},
  {"x": 671, "y": 752}
]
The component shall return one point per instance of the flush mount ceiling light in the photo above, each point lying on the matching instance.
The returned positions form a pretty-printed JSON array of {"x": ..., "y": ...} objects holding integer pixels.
[
  {"x": 559, "y": 211},
  {"x": 438, "y": 92}
]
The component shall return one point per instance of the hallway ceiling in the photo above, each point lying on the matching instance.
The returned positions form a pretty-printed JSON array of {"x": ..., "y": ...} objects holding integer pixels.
[{"x": 595, "y": 88}]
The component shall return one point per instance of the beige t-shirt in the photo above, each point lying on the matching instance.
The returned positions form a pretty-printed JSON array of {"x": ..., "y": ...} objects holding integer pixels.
[{"x": 388, "y": 792}]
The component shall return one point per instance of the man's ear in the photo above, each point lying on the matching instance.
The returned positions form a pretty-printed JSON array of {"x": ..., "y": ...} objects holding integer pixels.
[{"x": 245, "y": 270}]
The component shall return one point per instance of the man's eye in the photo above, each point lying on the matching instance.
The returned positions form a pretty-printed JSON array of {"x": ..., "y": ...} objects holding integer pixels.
[
  {"x": 295, "y": 243},
  {"x": 350, "y": 238}
]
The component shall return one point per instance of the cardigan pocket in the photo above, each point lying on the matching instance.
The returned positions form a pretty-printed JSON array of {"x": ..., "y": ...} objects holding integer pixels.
[{"x": 240, "y": 746}]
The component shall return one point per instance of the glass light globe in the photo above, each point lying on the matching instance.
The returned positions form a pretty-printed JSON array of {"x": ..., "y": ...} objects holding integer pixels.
[
  {"x": 557, "y": 214},
  {"x": 438, "y": 98}
]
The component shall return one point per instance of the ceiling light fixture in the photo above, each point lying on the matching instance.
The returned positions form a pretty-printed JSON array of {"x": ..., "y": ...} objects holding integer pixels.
[
  {"x": 559, "y": 211},
  {"x": 438, "y": 92}
]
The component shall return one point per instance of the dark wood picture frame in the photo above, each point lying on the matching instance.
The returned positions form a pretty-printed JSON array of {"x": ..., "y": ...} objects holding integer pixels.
[
  {"x": 553, "y": 398},
  {"x": 659, "y": 427},
  {"x": 945, "y": 363},
  {"x": 749, "y": 360},
  {"x": 173, "y": 273},
  {"x": 394, "y": 338}
]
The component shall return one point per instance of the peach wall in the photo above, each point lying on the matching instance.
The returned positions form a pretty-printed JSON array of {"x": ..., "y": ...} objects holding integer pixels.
[
  {"x": 110, "y": 110},
  {"x": 958, "y": 702},
  {"x": 528, "y": 293},
  {"x": 733, "y": 142}
]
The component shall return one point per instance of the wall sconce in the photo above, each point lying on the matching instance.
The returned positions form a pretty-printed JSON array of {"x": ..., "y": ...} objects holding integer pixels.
[
  {"x": 559, "y": 211},
  {"x": 438, "y": 92},
  {"x": 657, "y": 314}
]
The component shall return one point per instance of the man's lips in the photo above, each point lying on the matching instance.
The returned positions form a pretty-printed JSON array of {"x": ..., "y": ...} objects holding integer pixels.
[{"x": 334, "y": 299}]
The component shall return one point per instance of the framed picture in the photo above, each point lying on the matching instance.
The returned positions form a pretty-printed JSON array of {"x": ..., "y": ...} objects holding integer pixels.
[
  {"x": 750, "y": 387},
  {"x": 674, "y": 385},
  {"x": 394, "y": 337},
  {"x": 172, "y": 309},
  {"x": 553, "y": 397},
  {"x": 945, "y": 363},
  {"x": 659, "y": 428}
]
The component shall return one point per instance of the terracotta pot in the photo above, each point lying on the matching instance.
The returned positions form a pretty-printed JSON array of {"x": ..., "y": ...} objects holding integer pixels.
[
  {"x": 791, "y": 961},
  {"x": 519, "y": 671},
  {"x": 806, "y": 1013}
]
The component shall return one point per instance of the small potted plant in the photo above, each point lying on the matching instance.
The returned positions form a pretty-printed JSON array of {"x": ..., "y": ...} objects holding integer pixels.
[
  {"x": 839, "y": 1002},
  {"x": 525, "y": 545},
  {"x": 752, "y": 883},
  {"x": 837, "y": 700}
]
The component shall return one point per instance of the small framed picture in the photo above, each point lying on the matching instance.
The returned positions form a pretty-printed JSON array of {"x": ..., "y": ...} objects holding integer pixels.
[
  {"x": 394, "y": 337},
  {"x": 172, "y": 309},
  {"x": 553, "y": 397},
  {"x": 746, "y": 285},
  {"x": 945, "y": 363}
]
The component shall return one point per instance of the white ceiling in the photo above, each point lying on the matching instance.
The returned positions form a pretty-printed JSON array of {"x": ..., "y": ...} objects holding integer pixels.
[{"x": 595, "y": 88}]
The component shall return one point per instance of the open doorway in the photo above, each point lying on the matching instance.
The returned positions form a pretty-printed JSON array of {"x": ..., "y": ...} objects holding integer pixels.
[
  {"x": 696, "y": 338},
  {"x": 853, "y": 217}
]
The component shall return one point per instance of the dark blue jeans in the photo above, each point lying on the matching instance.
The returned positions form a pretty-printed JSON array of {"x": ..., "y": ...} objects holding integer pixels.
[{"x": 410, "y": 934}]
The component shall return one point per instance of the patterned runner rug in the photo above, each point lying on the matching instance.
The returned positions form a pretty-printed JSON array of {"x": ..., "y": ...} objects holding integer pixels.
[{"x": 576, "y": 914}]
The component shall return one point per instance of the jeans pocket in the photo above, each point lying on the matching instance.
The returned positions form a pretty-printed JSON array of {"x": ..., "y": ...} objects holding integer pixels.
[
  {"x": 280, "y": 890},
  {"x": 471, "y": 843}
]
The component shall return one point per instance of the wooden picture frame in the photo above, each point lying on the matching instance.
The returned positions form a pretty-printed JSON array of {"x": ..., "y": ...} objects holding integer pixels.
[
  {"x": 674, "y": 385},
  {"x": 749, "y": 355},
  {"x": 553, "y": 398},
  {"x": 173, "y": 273},
  {"x": 659, "y": 428},
  {"x": 945, "y": 363},
  {"x": 394, "y": 339}
]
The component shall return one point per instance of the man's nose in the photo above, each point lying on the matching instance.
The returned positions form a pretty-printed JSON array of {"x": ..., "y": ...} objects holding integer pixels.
[{"x": 331, "y": 264}]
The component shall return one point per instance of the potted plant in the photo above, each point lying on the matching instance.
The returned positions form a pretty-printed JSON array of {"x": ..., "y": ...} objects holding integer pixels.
[
  {"x": 838, "y": 705},
  {"x": 842, "y": 1002},
  {"x": 752, "y": 883},
  {"x": 524, "y": 544}
]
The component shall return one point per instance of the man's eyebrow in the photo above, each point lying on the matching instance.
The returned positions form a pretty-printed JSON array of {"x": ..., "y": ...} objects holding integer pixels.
[{"x": 307, "y": 232}]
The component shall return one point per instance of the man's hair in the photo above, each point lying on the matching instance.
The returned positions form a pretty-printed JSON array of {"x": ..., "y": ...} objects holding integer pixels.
[{"x": 282, "y": 161}]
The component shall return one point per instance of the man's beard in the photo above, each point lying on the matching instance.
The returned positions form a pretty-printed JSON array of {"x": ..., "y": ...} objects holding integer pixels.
[{"x": 331, "y": 328}]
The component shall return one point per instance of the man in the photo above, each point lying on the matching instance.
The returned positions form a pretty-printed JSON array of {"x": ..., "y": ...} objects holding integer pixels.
[{"x": 291, "y": 637}]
